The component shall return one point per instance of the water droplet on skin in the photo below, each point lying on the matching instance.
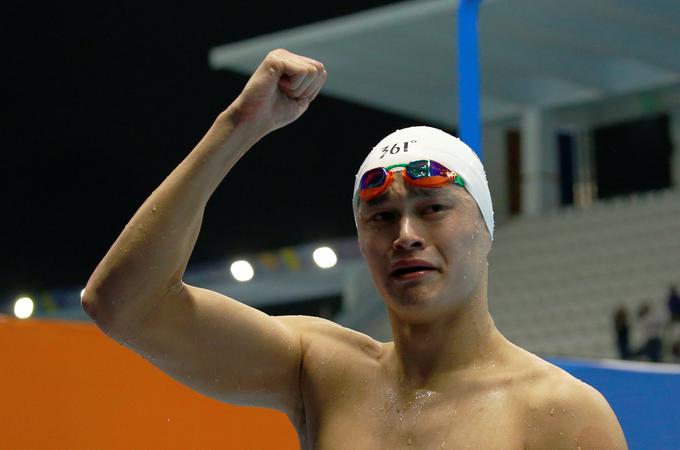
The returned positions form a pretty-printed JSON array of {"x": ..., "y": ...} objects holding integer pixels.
[
  {"x": 411, "y": 442},
  {"x": 443, "y": 444},
  {"x": 154, "y": 208},
  {"x": 552, "y": 412},
  {"x": 496, "y": 393},
  {"x": 423, "y": 395},
  {"x": 168, "y": 419}
]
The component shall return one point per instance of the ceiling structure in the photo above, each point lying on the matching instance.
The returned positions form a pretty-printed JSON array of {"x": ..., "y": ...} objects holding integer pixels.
[{"x": 401, "y": 58}]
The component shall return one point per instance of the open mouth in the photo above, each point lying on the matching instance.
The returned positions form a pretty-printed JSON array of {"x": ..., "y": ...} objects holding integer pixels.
[{"x": 411, "y": 273}]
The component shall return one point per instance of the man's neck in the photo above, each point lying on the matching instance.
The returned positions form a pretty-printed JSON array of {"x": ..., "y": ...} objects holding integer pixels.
[{"x": 427, "y": 354}]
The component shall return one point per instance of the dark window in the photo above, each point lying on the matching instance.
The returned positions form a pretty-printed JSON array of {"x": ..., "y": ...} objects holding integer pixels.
[
  {"x": 633, "y": 156},
  {"x": 512, "y": 145},
  {"x": 565, "y": 147}
]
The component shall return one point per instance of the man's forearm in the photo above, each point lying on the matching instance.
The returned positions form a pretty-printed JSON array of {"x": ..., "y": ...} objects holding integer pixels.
[{"x": 150, "y": 255}]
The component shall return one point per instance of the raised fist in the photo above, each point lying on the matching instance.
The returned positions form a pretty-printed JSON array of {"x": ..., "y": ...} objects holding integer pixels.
[{"x": 279, "y": 91}]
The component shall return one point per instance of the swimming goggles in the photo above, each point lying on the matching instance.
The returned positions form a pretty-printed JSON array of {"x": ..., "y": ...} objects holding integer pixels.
[{"x": 424, "y": 173}]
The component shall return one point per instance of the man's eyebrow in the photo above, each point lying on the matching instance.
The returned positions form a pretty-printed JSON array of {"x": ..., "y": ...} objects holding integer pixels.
[{"x": 376, "y": 201}]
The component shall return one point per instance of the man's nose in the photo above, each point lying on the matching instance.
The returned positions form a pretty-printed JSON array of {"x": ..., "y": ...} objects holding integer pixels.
[{"x": 409, "y": 237}]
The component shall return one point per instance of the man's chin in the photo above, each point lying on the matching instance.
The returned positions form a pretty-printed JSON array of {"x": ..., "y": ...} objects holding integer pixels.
[{"x": 412, "y": 298}]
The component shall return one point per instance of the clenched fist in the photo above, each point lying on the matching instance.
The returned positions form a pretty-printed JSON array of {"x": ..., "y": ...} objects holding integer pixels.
[{"x": 279, "y": 91}]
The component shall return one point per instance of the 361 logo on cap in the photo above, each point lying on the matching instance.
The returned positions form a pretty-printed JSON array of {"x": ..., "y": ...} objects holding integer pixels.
[{"x": 395, "y": 149}]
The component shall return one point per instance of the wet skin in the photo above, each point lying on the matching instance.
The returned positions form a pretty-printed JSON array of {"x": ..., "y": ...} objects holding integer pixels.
[{"x": 450, "y": 379}]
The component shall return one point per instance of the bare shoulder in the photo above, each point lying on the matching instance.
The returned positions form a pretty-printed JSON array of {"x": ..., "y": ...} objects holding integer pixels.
[
  {"x": 565, "y": 413},
  {"x": 322, "y": 336}
]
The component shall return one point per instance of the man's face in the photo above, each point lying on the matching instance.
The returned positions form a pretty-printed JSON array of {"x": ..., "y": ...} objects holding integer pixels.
[{"x": 440, "y": 227}]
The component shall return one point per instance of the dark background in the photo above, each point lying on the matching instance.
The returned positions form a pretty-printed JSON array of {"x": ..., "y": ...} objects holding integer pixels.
[{"x": 101, "y": 100}]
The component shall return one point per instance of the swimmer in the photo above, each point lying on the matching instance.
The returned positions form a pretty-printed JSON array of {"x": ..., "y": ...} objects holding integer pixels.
[{"x": 424, "y": 220}]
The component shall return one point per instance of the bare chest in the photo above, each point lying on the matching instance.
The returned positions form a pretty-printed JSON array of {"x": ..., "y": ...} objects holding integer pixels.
[{"x": 381, "y": 418}]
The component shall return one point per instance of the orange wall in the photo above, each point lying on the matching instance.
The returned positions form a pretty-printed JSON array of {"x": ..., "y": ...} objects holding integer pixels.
[{"x": 66, "y": 385}]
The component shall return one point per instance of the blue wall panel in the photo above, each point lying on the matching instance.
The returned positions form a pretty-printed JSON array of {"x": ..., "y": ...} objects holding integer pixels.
[{"x": 645, "y": 398}]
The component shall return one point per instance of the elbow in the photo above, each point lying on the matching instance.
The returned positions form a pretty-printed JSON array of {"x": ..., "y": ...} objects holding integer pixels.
[
  {"x": 88, "y": 306},
  {"x": 95, "y": 309},
  {"x": 117, "y": 312},
  {"x": 88, "y": 301},
  {"x": 104, "y": 314}
]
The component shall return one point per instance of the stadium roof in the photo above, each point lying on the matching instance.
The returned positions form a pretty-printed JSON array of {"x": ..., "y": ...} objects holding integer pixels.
[{"x": 401, "y": 58}]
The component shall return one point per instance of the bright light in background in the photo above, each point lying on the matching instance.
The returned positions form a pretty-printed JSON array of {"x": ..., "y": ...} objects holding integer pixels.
[
  {"x": 324, "y": 257},
  {"x": 23, "y": 308},
  {"x": 242, "y": 270}
]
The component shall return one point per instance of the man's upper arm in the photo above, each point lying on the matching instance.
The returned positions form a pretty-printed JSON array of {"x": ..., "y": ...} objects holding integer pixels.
[
  {"x": 224, "y": 349},
  {"x": 576, "y": 416}
]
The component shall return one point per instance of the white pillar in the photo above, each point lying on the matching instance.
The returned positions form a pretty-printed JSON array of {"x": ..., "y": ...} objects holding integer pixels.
[
  {"x": 540, "y": 187},
  {"x": 530, "y": 143}
]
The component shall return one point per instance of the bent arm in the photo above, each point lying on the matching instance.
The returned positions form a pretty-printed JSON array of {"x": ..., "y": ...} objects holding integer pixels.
[
  {"x": 136, "y": 295},
  {"x": 147, "y": 261}
]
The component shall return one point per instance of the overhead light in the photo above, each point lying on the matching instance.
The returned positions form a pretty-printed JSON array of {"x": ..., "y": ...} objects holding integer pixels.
[
  {"x": 23, "y": 308},
  {"x": 325, "y": 257},
  {"x": 242, "y": 270}
]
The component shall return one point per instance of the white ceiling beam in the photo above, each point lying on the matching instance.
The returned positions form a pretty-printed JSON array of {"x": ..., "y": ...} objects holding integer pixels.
[
  {"x": 503, "y": 50},
  {"x": 653, "y": 15},
  {"x": 582, "y": 29},
  {"x": 402, "y": 57},
  {"x": 534, "y": 90}
]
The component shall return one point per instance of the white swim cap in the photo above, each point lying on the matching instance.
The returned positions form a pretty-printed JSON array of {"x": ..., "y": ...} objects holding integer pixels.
[{"x": 415, "y": 143}]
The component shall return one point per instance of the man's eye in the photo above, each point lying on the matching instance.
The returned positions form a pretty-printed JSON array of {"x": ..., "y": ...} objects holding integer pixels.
[
  {"x": 434, "y": 208},
  {"x": 382, "y": 216}
]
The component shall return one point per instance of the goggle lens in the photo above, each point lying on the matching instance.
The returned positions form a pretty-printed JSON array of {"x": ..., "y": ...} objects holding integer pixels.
[
  {"x": 373, "y": 178},
  {"x": 418, "y": 169},
  {"x": 427, "y": 173},
  {"x": 421, "y": 173}
]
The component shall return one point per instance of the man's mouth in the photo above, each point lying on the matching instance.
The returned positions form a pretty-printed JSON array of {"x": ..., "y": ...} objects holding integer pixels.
[
  {"x": 406, "y": 270},
  {"x": 411, "y": 270}
]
